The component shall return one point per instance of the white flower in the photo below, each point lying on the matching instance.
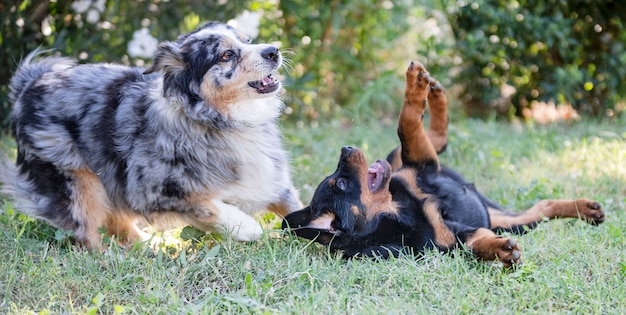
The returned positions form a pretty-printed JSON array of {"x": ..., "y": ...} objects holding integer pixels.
[
  {"x": 81, "y": 6},
  {"x": 247, "y": 22},
  {"x": 100, "y": 5},
  {"x": 93, "y": 16},
  {"x": 143, "y": 45},
  {"x": 93, "y": 9}
]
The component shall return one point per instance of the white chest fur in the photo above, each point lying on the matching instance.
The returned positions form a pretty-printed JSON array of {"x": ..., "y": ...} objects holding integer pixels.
[{"x": 262, "y": 170}]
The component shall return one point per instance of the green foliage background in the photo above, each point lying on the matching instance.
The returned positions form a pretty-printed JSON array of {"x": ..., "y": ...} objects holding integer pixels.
[
  {"x": 570, "y": 52},
  {"x": 346, "y": 57}
]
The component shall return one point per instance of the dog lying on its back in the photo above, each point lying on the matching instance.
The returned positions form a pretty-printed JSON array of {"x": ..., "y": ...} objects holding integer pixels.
[
  {"x": 410, "y": 202},
  {"x": 192, "y": 140}
]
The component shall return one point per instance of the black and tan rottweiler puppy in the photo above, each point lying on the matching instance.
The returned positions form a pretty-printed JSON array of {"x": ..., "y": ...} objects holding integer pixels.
[{"x": 409, "y": 202}]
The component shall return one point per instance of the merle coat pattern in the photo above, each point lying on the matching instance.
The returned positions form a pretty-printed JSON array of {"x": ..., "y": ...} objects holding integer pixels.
[{"x": 192, "y": 139}]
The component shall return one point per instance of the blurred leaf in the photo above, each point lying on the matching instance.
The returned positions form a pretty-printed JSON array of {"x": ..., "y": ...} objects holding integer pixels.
[{"x": 190, "y": 233}]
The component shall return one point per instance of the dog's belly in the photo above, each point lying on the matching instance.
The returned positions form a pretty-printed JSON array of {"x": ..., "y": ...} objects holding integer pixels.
[{"x": 460, "y": 203}]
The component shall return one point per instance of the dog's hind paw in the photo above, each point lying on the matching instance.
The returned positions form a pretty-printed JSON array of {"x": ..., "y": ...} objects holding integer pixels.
[{"x": 590, "y": 211}]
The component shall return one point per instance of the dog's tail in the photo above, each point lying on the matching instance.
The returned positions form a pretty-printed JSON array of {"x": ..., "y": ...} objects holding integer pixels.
[
  {"x": 13, "y": 188},
  {"x": 30, "y": 70},
  {"x": 8, "y": 172}
]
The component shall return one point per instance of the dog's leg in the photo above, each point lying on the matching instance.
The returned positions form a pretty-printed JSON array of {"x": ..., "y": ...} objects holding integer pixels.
[
  {"x": 66, "y": 199},
  {"x": 124, "y": 226},
  {"x": 584, "y": 209},
  {"x": 486, "y": 245},
  {"x": 288, "y": 203},
  {"x": 213, "y": 215},
  {"x": 438, "y": 104},
  {"x": 438, "y": 131},
  {"x": 415, "y": 145},
  {"x": 443, "y": 236},
  {"x": 90, "y": 208}
]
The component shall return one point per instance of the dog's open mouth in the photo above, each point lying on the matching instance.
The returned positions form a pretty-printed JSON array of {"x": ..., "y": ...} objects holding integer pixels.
[
  {"x": 378, "y": 174},
  {"x": 268, "y": 84}
]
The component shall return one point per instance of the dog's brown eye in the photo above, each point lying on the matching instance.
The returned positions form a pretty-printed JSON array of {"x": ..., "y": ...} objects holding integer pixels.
[{"x": 227, "y": 55}]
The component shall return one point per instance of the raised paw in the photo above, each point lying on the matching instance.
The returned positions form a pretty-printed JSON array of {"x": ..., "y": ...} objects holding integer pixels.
[
  {"x": 417, "y": 76},
  {"x": 417, "y": 85},
  {"x": 436, "y": 90},
  {"x": 438, "y": 103},
  {"x": 590, "y": 211}
]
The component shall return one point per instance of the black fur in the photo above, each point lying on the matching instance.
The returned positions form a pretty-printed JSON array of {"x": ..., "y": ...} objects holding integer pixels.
[
  {"x": 391, "y": 233},
  {"x": 376, "y": 211}
]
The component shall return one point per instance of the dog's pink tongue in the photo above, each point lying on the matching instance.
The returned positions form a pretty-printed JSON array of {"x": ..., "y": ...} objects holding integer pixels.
[
  {"x": 374, "y": 176},
  {"x": 268, "y": 80}
]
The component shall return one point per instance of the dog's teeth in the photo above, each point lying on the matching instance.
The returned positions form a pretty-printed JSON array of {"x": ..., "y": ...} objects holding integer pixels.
[{"x": 267, "y": 80}]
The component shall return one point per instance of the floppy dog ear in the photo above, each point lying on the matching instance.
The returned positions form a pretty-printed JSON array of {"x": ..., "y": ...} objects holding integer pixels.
[
  {"x": 299, "y": 223},
  {"x": 297, "y": 219},
  {"x": 168, "y": 58}
]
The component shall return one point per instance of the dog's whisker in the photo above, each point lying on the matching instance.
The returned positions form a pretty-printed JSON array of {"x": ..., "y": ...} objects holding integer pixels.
[
  {"x": 163, "y": 151},
  {"x": 288, "y": 51},
  {"x": 288, "y": 64}
]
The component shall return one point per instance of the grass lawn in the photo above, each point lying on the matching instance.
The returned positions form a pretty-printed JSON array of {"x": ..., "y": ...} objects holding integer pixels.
[{"x": 569, "y": 266}]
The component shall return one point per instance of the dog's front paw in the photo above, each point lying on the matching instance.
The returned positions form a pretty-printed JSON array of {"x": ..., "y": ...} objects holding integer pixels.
[
  {"x": 417, "y": 76},
  {"x": 437, "y": 92},
  {"x": 493, "y": 247},
  {"x": 417, "y": 85},
  {"x": 590, "y": 211},
  {"x": 242, "y": 227},
  {"x": 246, "y": 229},
  {"x": 507, "y": 251}
]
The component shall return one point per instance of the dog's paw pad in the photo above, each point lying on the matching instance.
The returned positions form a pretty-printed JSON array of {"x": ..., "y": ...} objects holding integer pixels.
[{"x": 509, "y": 252}]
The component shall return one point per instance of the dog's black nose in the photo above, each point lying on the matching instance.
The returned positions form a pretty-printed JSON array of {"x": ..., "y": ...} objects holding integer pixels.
[
  {"x": 346, "y": 151},
  {"x": 270, "y": 53}
]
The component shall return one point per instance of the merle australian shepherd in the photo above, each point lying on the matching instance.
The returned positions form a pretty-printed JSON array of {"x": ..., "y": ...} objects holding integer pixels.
[
  {"x": 409, "y": 202},
  {"x": 192, "y": 139}
]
